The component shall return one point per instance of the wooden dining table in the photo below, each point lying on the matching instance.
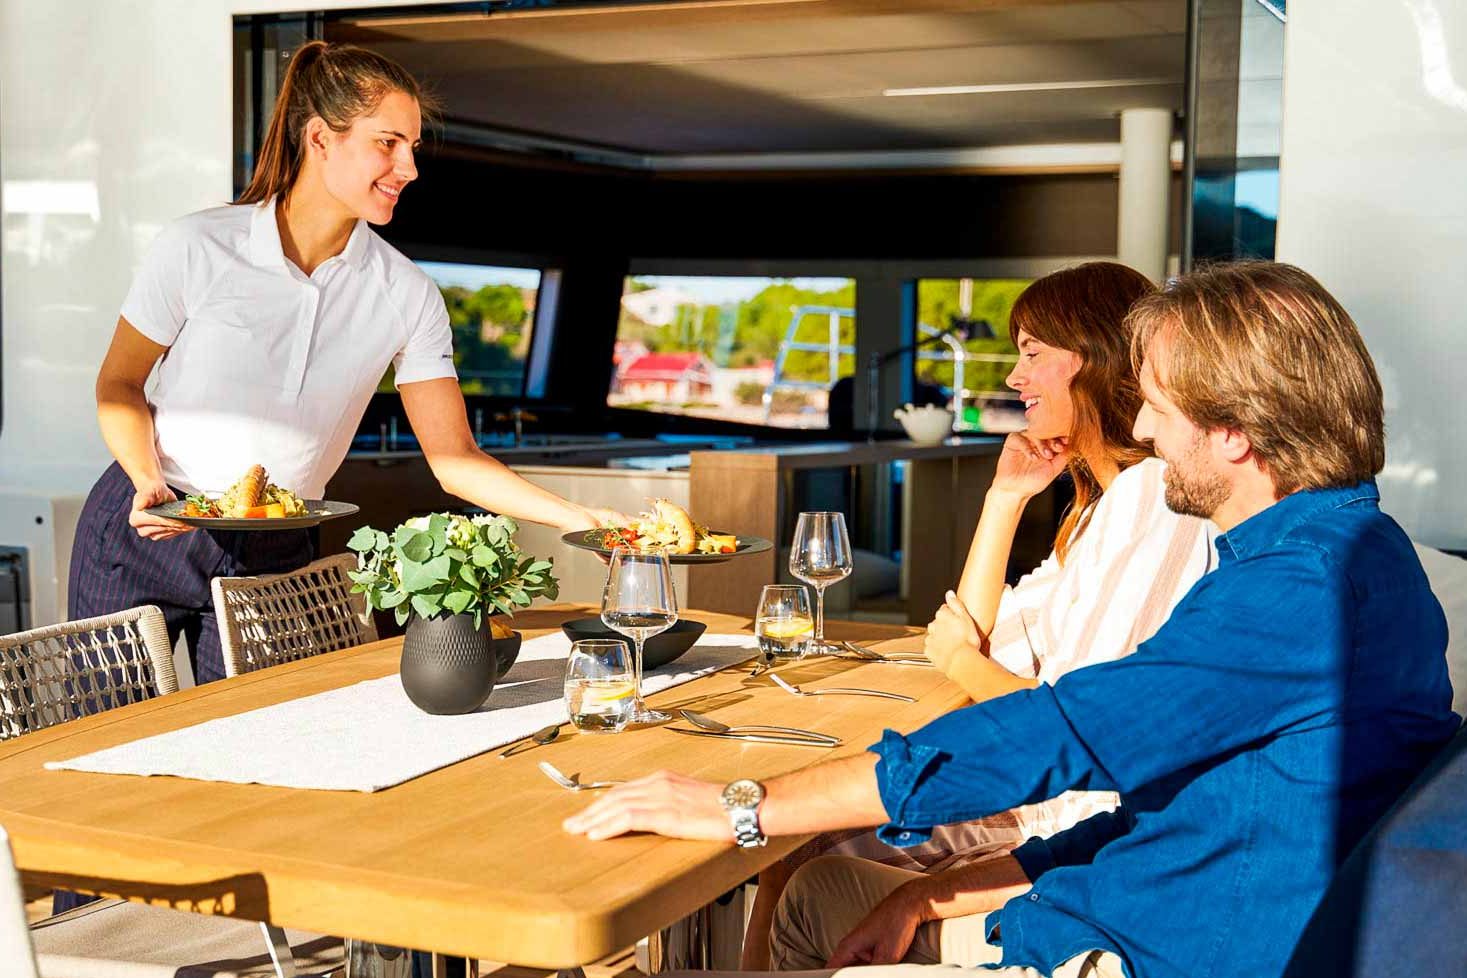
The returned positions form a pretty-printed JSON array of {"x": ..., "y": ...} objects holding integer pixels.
[{"x": 469, "y": 860}]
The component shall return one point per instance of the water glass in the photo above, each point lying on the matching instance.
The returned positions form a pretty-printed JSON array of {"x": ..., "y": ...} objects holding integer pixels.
[
  {"x": 783, "y": 623},
  {"x": 599, "y": 687},
  {"x": 821, "y": 556},
  {"x": 639, "y": 602}
]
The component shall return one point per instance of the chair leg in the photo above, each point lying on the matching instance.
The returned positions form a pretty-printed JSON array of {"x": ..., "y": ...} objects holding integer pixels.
[
  {"x": 280, "y": 954},
  {"x": 365, "y": 959}
]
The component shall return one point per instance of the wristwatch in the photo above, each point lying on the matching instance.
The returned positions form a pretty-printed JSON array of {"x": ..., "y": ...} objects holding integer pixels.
[{"x": 741, "y": 799}]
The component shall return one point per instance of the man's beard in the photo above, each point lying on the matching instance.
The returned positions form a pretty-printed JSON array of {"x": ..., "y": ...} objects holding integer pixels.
[{"x": 1191, "y": 489}]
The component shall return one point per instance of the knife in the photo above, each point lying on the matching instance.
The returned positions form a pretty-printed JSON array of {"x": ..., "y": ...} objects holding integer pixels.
[{"x": 758, "y": 738}]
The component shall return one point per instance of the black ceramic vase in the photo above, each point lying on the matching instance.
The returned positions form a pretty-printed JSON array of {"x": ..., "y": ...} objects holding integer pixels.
[{"x": 448, "y": 665}]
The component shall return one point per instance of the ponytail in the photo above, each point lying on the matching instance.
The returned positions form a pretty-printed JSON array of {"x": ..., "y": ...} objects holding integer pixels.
[{"x": 337, "y": 82}]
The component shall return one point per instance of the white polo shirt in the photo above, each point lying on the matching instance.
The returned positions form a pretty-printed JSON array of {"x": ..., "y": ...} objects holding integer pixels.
[{"x": 266, "y": 364}]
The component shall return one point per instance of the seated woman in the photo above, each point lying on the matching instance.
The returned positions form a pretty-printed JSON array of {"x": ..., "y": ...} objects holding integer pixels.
[{"x": 1121, "y": 558}]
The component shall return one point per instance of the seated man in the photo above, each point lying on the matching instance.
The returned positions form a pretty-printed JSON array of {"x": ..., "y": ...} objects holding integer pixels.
[{"x": 1290, "y": 697}]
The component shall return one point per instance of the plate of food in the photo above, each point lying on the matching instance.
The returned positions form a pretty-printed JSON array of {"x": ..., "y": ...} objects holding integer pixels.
[
  {"x": 668, "y": 527},
  {"x": 252, "y": 503}
]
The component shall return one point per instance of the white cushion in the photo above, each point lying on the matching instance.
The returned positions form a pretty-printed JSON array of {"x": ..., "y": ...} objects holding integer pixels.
[{"x": 117, "y": 939}]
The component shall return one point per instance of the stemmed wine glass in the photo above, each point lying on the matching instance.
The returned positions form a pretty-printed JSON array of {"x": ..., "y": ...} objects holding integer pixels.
[
  {"x": 821, "y": 555},
  {"x": 639, "y": 602}
]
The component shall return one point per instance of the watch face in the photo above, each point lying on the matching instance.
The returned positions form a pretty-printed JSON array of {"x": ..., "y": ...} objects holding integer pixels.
[{"x": 743, "y": 794}]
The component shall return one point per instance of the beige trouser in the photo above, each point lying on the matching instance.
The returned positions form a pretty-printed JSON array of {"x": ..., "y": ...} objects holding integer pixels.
[{"x": 829, "y": 896}]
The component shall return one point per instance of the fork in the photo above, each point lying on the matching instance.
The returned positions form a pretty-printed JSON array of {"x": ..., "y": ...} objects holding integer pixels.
[
  {"x": 573, "y": 783},
  {"x": 871, "y": 655},
  {"x": 838, "y": 691}
]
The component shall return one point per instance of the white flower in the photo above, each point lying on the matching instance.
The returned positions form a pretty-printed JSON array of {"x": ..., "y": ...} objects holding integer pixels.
[{"x": 417, "y": 523}]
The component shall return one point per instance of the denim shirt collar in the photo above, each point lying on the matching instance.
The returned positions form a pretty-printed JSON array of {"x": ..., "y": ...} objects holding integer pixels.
[{"x": 1262, "y": 530}]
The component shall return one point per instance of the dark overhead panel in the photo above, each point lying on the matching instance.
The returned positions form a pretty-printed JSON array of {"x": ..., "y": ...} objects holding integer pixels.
[{"x": 651, "y": 83}]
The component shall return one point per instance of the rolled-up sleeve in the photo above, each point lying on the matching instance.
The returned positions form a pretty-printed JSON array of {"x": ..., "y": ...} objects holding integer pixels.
[
  {"x": 1075, "y": 846},
  {"x": 979, "y": 760}
]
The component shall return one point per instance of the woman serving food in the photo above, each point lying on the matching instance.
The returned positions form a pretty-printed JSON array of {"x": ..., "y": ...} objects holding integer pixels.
[{"x": 270, "y": 323}]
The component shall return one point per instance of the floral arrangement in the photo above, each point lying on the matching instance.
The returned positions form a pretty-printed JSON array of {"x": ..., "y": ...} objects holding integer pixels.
[{"x": 449, "y": 564}]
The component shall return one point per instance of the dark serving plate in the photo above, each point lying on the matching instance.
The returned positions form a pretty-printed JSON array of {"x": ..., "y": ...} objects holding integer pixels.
[
  {"x": 317, "y": 511},
  {"x": 592, "y": 540},
  {"x": 657, "y": 651}
]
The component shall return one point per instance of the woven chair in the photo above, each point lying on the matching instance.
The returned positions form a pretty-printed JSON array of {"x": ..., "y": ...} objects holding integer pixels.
[
  {"x": 275, "y": 618},
  {"x": 61, "y": 672}
]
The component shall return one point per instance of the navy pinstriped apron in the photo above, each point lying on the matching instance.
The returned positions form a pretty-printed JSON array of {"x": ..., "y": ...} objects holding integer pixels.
[{"x": 113, "y": 569}]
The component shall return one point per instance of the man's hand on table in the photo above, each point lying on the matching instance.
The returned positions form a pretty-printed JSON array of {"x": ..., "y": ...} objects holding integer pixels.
[{"x": 665, "y": 803}]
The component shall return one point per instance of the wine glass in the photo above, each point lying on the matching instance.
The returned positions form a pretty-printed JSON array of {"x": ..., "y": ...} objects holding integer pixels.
[
  {"x": 639, "y": 602},
  {"x": 599, "y": 687},
  {"x": 821, "y": 556},
  {"x": 783, "y": 623}
]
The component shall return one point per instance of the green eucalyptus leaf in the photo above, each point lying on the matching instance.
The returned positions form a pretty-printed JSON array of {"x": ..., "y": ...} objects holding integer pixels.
[
  {"x": 418, "y": 547},
  {"x": 540, "y": 566},
  {"x": 457, "y": 601},
  {"x": 417, "y": 578},
  {"x": 390, "y": 599},
  {"x": 469, "y": 576},
  {"x": 425, "y": 606},
  {"x": 381, "y": 542},
  {"x": 401, "y": 614},
  {"x": 484, "y": 557},
  {"x": 364, "y": 539},
  {"x": 454, "y": 553}
]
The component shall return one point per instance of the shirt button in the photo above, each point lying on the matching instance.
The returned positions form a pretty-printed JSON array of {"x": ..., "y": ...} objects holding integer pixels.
[
  {"x": 1034, "y": 898},
  {"x": 905, "y": 836}
]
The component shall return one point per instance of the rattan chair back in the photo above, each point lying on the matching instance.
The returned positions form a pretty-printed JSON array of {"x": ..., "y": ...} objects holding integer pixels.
[
  {"x": 61, "y": 672},
  {"x": 275, "y": 618}
]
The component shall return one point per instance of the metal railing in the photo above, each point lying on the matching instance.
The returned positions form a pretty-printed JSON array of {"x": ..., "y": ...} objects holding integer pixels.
[{"x": 834, "y": 349}]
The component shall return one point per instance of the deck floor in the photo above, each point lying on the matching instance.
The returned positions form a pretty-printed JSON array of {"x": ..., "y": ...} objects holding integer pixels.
[{"x": 623, "y": 964}]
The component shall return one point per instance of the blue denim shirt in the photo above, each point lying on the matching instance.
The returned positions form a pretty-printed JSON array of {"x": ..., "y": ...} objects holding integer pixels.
[{"x": 1292, "y": 695}]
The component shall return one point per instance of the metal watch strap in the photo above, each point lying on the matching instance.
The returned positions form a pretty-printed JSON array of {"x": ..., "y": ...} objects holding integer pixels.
[
  {"x": 741, "y": 800},
  {"x": 746, "y": 828}
]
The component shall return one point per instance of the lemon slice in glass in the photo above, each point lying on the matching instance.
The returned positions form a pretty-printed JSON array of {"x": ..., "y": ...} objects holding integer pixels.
[
  {"x": 788, "y": 627},
  {"x": 610, "y": 692}
]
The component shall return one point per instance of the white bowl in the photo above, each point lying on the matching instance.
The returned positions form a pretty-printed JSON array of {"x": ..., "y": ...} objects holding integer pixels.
[{"x": 926, "y": 425}]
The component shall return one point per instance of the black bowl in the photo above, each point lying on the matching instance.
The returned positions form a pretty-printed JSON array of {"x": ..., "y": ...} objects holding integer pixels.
[
  {"x": 657, "y": 651},
  {"x": 506, "y": 650}
]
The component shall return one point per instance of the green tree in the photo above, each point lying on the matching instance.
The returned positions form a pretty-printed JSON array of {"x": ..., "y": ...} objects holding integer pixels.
[{"x": 993, "y": 300}]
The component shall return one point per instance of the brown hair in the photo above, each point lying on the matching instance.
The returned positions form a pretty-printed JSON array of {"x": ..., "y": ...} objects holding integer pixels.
[
  {"x": 1260, "y": 347},
  {"x": 1083, "y": 310},
  {"x": 337, "y": 82}
]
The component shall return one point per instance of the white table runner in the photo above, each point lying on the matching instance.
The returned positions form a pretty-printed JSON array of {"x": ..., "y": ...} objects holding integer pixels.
[{"x": 369, "y": 736}]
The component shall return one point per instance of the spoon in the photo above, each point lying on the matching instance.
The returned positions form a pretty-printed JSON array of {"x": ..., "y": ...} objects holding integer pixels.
[
  {"x": 708, "y": 723},
  {"x": 838, "y": 691},
  {"x": 573, "y": 783},
  {"x": 541, "y": 737}
]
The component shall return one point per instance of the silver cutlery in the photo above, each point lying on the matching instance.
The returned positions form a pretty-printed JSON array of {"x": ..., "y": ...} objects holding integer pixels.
[
  {"x": 758, "y": 738},
  {"x": 717, "y": 726},
  {"x": 573, "y": 783},
  {"x": 838, "y": 691},
  {"x": 871, "y": 655},
  {"x": 539, "y": 737}
]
